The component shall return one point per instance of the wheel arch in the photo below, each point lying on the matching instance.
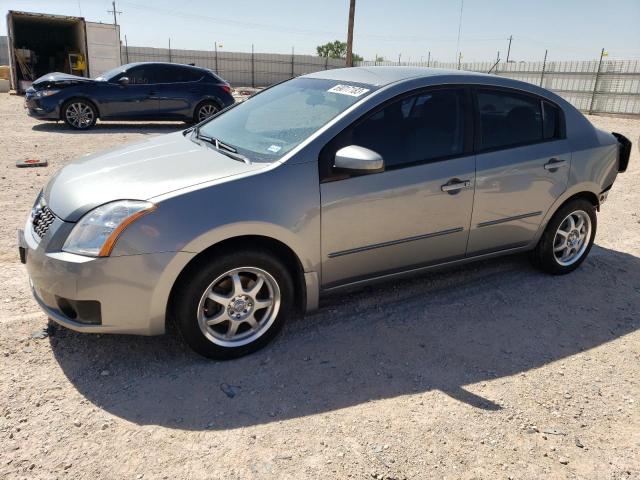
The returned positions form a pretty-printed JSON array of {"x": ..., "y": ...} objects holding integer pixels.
[
  {"x": 208, "y": 98},
  {"x": 79, "y": 97},
  {"x": 586, "y": 191},
  {"x": 273, "y": 246}
]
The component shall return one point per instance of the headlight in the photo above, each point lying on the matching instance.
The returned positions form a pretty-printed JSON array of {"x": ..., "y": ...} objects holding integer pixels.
[
  {"x": 46, "y": 93},
  {"x": 96, "y": 233}
]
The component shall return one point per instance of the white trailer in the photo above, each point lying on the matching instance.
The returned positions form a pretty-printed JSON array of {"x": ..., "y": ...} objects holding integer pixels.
[{"x": 41, "y": 43}]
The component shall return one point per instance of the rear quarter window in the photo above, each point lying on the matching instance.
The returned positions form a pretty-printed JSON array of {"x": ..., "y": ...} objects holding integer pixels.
[{"x": 551, "y": 121}]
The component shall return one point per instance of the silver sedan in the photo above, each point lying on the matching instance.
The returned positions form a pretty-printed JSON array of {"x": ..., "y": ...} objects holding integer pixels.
[{"x": 324, "y": 182}]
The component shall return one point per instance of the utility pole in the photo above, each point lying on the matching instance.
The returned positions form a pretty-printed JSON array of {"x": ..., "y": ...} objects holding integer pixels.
[
  {"x": 509, "y": 49},
  {"x": 459, "y": 29},
  {"x": 114, "y": 11},
  {"x": 352, "y": 11}
]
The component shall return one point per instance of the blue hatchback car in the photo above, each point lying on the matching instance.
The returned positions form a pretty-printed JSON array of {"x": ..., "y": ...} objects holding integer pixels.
[{"x": 136, "y": 91}]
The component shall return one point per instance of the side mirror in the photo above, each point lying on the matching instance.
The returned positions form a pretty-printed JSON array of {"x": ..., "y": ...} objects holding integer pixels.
[
  {"x": 358, "y": 159},
  {"x": 123, "y": 81}
]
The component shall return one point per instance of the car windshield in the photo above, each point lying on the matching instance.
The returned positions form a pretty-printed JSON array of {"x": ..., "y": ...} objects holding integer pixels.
[
  {"x": 106, "y": 76},
  {"x": 267, "y": 126}
]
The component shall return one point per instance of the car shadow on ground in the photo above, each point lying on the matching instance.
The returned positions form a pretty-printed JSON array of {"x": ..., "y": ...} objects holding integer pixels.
[
  {"x": 443, "y": 330},
  {"x": 115, "y": 127}
]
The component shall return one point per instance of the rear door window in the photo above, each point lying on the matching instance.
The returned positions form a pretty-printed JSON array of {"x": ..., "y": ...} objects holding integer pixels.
[
  {"x": 508, "y": 119},
  {"x": 171, "y": 74}
]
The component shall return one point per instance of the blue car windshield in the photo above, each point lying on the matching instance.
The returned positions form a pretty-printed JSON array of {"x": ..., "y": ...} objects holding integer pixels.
[
  {"x": 270, "y": 124},
  {"x": 106, "y": 76}
]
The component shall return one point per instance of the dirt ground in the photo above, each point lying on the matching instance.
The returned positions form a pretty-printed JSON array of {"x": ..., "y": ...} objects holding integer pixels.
[{"x": 490, "y": 371}]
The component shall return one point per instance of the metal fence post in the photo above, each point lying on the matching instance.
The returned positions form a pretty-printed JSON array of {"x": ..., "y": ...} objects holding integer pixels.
[
  {"x": 326, "y": 62},
  {"x": 126, "y": 48},
  {"x": 544, "y": 64},
  {"x": 169, "y": 50},
  {"x": 215, "y": 48},
  {"x": 253, "y": 68},
  {"x": 293, "y": 59},
  {"x": 595, "y": 83}
]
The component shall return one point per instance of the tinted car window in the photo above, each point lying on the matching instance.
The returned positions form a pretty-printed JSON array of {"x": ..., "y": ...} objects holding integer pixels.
[
  {"x": 171, "y": 74},
  {"x": 415, "y": 129},
  {"x": 508, "y": 119},
  {"x": 551, "y": 121},
  {"x": 139, "y": 76}
]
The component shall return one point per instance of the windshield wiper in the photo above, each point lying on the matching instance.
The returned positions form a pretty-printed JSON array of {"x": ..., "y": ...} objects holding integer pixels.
[{"x": 223, "y": 148}]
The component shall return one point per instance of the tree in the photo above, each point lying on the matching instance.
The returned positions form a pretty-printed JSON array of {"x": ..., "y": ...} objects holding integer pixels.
[{"x": 335, "y": 49}]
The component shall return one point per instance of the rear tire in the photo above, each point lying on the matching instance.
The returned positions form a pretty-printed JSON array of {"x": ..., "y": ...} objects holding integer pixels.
[
  {"x": 233, "y": 304},
  {"x": 567, "y": 239},
  {"x": 205, "y": 110},
  {"x": 79, "y": 114}
]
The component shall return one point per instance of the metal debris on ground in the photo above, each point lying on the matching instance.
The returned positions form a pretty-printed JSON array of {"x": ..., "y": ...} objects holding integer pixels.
[{"x": 31, "y": 162}]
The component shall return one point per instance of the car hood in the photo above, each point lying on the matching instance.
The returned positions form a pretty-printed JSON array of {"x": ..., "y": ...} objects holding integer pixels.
[
  {"x": 139, "y": 171},
  {"x": 59, "y": 78}
]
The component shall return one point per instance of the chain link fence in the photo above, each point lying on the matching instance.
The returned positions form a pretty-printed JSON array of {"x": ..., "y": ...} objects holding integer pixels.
[
  {"x": 607, "y": 87},
  {"x": 610, "y": 87}
]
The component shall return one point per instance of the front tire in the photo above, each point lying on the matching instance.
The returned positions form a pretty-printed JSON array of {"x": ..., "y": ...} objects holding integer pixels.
[
  {"x": 233, "y": 304},
  {"x": 79, "y": 114},
  {"x": 568, "y": 238}
]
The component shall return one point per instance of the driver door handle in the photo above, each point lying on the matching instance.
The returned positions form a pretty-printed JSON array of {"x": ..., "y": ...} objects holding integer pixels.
[
  {"x": 554, "y": 164},
  {"x": 454, "y": 185}
]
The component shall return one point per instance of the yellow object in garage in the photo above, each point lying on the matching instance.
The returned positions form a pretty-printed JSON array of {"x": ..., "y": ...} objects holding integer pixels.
[{"x": 77, "y": 64}]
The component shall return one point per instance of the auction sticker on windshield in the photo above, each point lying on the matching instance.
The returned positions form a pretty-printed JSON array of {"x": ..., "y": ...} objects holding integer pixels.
[{"x": 350, "y": 90}]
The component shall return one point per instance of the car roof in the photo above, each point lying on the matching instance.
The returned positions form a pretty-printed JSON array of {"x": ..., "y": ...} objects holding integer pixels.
[
  {"x": 183, "y": 65},
  {"x": 381, "y": 76}
]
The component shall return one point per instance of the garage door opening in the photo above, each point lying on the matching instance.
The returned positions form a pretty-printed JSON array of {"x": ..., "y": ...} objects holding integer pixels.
[{"x": 43, "y": 45}]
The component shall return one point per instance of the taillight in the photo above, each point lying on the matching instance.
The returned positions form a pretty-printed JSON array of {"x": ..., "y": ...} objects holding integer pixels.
[{"x": 226, "y": 88}]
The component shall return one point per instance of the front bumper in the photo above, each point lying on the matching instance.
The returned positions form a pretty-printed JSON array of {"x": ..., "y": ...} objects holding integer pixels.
[
  {"x": 43, "y": 108},
  {"x": 125, "y": 294}
]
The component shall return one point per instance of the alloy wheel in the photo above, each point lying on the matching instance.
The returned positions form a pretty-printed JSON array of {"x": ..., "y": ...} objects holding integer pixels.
[
  {"x": 239, "y": 306},
  {"x": 79, "y": 115},
  {"x": 572, "y": 238},
  {"x": 206, "y": 110}
]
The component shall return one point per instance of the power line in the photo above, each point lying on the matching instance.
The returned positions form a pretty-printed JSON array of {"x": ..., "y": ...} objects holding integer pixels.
[{"x": 300, "y": 31}]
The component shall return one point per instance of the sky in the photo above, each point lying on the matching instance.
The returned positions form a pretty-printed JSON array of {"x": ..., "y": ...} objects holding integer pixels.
[{"x": 569, "y": 29}]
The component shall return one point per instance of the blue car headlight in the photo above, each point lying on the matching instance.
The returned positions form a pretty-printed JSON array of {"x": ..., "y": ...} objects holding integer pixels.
[{"x": 46, "y": 93}]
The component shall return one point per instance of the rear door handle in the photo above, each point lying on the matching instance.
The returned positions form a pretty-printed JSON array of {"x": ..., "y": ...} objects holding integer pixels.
[
  {"x": 554, "y": 164},
  {"x": 455, "y": 185}
]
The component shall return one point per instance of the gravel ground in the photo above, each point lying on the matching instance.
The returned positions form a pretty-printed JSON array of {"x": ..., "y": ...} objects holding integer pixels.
[{"x": 492, "y": 370}]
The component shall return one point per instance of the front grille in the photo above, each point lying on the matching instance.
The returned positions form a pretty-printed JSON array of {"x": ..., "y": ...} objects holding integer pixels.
[{"x": 42, "y": 220}]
